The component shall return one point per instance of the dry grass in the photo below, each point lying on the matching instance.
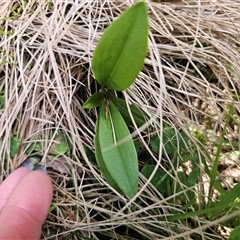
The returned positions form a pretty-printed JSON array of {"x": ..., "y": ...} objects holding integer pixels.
[{"x": 191, "y": 76}]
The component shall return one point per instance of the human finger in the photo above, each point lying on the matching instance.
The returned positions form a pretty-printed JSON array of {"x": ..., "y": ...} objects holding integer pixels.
[
  {"x": 27, "y": 207},
  {"x": 8, "y": 185}
]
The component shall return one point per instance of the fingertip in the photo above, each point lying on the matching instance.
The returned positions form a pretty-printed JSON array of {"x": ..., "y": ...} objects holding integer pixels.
[
  {"x": 29, "y": 203},
  {"x": 9, "y": 184},
  {"x": 42, "y": 191}
]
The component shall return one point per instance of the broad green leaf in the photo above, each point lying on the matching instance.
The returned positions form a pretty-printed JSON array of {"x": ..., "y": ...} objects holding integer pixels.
[
  {"x": 138, "y": 116},
  {"x": 95, "y": 100},
  {"x": 14, "y": 146},
  {"x": 115, "y": 151},
  {"x": 62, "y": 146},
  {"x": 172, "y": 141},
  {"x": 159, "y": 179},
  {"x": 235, "y": 234},
  {"x": 102, "y": 165},
  {"x": 137, "y": 144},
  {"x": 120, "y": 53},
  {"x": 34, "y": 147}
]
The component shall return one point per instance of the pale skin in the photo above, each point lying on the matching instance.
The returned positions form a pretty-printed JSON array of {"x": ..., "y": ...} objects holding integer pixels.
[{"x": 25, "y": 198}]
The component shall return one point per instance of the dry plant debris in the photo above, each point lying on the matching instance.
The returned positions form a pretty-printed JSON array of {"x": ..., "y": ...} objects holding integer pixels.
[{"x": 189, "y": 81}]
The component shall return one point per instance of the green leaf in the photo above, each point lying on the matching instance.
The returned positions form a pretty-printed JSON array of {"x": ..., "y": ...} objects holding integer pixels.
[
  {"x": 193, "y": 177},
  {"x": 215, "y": 164},
  {"x": 159, "y": 179},
  {"x": 115, "y": 151},
  {"x": 235, "y": 234},
  {"x": 95, "y": 100},
  {"x": 90, "y": 155},
  {"x": 137, "y": 144},
  {"x": 63, "y": 145},
  {"x": 172, "y": 141},
  {"x": 178, "y": 187},
  {"x": 61, "y": 148},
  {"x": 2, "y": 102},
  {"x": 34, "y": 147},
  {"x": 102, "y": 166},
  {"x": 120, "y": 53},
  {"x": 137, "y": 114},
  {"x": 214, "y": 211},
  {"x": 14, "y": 146}
]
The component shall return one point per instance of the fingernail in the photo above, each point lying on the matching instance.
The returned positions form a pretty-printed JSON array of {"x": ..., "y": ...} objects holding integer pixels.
[
  {"x": 41, "y": 168},
  {"x": 30, "y": 163}
]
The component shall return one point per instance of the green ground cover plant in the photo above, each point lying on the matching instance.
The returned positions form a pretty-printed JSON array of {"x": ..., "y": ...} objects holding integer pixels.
[
  {"x": 177, "y": 111},
  {"x": 117, "y": 60}
]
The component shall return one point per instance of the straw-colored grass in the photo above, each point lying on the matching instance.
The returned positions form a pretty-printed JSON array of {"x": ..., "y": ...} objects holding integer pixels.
[{"x": 190, "y": 79}]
